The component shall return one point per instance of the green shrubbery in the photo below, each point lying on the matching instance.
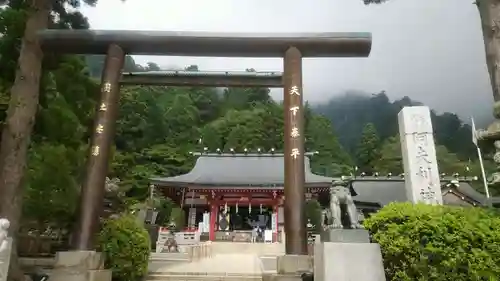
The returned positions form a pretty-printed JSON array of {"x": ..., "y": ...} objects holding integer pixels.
[
  {"x": 126, "y": 246},
  {"x": 313, "y": 214},
  {"x": 422, "y": 242}
]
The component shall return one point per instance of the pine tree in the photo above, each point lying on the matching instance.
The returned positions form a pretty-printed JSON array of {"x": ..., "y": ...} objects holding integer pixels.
[{"x": 368, "y": 149}]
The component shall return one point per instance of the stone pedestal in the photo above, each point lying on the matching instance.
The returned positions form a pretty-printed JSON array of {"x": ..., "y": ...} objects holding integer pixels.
[
  {"x": 345, "y": 236},
  {"x": 80, "y": 266},
  {"x": 290, "y": 268},
  {"x": 348, "y": 262}
]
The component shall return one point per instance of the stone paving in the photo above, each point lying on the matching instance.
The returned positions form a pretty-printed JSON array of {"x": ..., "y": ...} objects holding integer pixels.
[
  {"x": 230, "y": 262},
  {"x": 220, "y": 264}
]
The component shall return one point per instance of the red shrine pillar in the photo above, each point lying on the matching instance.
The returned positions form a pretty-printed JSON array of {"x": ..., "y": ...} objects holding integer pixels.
[
  {"x": 276, "y": 229},
  {"x": 213, "y": 220}
]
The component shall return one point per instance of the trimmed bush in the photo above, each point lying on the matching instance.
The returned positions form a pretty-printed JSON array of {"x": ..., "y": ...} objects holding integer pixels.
[
  {"x": 126, "y": 246},
  {"x": 423, "y": 242},
  {"x": 313, "y": 214}
]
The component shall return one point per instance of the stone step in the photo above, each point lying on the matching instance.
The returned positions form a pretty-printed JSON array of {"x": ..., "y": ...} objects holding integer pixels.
[
  {"x": 159, "y": 261},
  {"x": 281, "y": 277},
  {"x": 168, "y": 256},
  {"x": 269, "y": 263},
  {"x": 189, "y": 276},
  {"x": 248, "y": 248}
]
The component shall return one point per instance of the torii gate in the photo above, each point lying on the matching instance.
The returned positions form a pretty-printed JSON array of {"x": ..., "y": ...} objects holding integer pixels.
[{"x": 292, "y": 47}]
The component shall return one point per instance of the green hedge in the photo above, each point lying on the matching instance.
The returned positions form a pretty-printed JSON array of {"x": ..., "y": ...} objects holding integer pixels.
[
  {"x": 423, "y": 242},
  {"x": 314, "y": 214},
  {"x": 126, "y": 246}
]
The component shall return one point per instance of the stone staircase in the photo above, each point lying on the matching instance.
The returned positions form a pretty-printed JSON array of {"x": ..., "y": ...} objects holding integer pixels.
[
  {"x": 229, "y": 262},
  {"x": 160, "y": 260}
]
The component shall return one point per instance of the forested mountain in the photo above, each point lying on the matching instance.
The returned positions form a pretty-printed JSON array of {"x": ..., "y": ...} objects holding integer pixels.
[{"x": 351, "y": 112}]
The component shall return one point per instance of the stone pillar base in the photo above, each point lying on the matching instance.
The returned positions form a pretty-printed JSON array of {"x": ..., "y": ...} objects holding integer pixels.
[
  {"x": 345, "y": 236},
  {"x": 348, "y": 261},
  {"x": 294, "y": 264},
  {"x": 79, "y": 266},
  {"x": 291, "y": 268}
]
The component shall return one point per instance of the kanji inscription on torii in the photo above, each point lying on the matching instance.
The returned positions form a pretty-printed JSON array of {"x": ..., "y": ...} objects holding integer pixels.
[
  {"x": 106, "y": 88},
  {"x": 294, "y": 91},
  {"x": 99, "y": 129},
  {"x": 294, "y": 109},
  {"x": 419, "y": 155},
  {"x": 103, "y": 107},
  {"x": 95, "y": 150}
]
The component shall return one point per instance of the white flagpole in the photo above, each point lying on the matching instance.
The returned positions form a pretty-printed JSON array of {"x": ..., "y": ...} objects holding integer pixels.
[{"x": 479, "y": 155}]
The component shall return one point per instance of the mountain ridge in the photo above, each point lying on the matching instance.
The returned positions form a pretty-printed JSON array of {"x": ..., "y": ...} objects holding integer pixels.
[{"x": 350, "y": 112}]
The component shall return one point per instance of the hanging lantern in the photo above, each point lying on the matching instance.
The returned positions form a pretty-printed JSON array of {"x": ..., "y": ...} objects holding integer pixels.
[
  {"x": 249, "y": 208},
  {"x": 236, "y": 207},
  {"x": 261, "y": 208},
  {"x": 225, "y": 208}
]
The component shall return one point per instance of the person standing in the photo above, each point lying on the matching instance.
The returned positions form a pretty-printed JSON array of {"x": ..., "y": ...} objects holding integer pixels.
[{"x": 255, "y": 232}]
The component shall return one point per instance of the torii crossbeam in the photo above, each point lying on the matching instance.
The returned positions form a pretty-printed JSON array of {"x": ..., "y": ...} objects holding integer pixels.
[{"x": 204, "y": 78}]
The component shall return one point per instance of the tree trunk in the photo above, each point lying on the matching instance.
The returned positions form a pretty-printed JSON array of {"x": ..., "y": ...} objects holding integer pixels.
[
  {"x": 19, "y": 123},
  {"x": 489, "y": 12}
]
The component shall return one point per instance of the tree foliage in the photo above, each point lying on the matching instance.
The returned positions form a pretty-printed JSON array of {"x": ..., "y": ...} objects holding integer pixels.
[
  {"x": 423, "y": 242},
  {"x": 391, "y": 161},
  {"x": 368, "y": 148}
]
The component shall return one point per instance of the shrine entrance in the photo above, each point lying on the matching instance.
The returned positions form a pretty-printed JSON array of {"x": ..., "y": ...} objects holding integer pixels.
[
  {"x": 247, "y": 218},
  {"x": 238, "y": 223},
  {"x": 115, "y": 44}
]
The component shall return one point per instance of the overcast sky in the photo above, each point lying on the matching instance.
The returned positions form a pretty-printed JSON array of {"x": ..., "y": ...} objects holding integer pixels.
[{"x": 429, "y": 50}]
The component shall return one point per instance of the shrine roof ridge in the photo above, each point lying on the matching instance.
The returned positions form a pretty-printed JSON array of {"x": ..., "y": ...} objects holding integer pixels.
[
  {"x": 399, "y": 178},
  {"x": 206, "y": 44},
  {"x": 384, "y": 192},
  {"x": 250, "y": 154}
]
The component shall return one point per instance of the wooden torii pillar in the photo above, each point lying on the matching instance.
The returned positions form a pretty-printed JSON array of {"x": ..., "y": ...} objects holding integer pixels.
[{"x": 115, "y": 44}]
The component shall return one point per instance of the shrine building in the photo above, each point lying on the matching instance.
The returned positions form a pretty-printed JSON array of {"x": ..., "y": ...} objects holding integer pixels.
[
  {"x": 232, "y": 193},
  {"x": 225, "y": 195}
]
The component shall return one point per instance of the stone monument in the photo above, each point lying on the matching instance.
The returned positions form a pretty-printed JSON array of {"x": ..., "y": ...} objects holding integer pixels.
[
  {"x": 419, "y": 155},
  {"x": 345, "y": 249},
  {"x": 5, "y": 249}
]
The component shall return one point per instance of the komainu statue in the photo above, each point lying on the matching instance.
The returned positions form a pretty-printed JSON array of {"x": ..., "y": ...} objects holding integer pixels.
[
  {"x": 4, "y": 228},
  {"x": 341, "y": 193},
  {"x": 4, "y": 249}
]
